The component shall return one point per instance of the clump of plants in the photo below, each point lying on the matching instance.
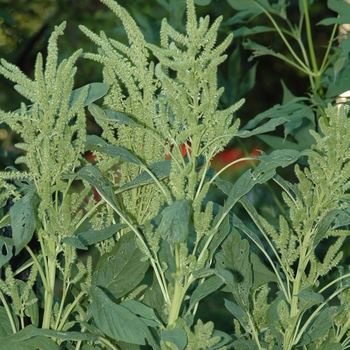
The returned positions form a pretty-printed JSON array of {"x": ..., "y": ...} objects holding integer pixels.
[{"x": 121, "y": 253}]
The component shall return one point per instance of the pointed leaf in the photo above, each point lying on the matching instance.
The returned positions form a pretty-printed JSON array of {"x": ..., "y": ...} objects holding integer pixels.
[
  {"x": 175, "y": 220},
  {"x": 23, "y": 220},
  {"x": 94, "y": 236},
  {"x": 209, "y": 286},
  {"x": 234, "y": 257},
  {"x": 95, "y": 91},
  {"x": 176, "y": 336},
  {"x": 117, "y": 321},
  {"x": 108, "y": 115},
  {"x": 267, "y": 127},
  {"x": 251, "y": 5},
  {"x": 6, "y": 245},
  {"x": 148, "y": 315},
  {"x": 122, "y": 269}
]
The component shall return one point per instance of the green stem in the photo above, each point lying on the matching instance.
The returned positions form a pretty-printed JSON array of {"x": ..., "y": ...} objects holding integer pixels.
[
  {"x": 309, "y": 37},
  {"x": 108, "y": 343},
  {"x": 69, "y": 310},
  {"x": 49, "y": 292},
  {"x": 8, "y": 311},
  {"x": 284, "y": 39},
  {"x": 178, "y": 291}
]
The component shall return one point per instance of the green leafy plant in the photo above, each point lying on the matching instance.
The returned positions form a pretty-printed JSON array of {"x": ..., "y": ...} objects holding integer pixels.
[
  {"x": 122, "y": 253},
  {"x": 291, "y": 35}
]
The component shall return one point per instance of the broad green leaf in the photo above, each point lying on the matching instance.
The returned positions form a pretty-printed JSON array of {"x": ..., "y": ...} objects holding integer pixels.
[
  {"x": 108, "y": 115},
  {"x": 117, "y": 321},
  {"x": 202, "y": 2},
  {"x": 95, "y": 91},
  {"x": 5, "y": 325},
  {"x": 318, "y": 328},
  {"x": 122, "y": 269},
  {"x": 255, "y": 6},
  {"x": 261, "y": 274},
  {"x": 6, "y": 245},
  {"x": 174, "y": 226},
  {"x": 234, "y": 257},
  {"x": 267, "y": 127},
  {"x": 237, "y": 311},
  {"x": 248, "y": 344},
  {"x": 153, "y": 298},
  {"x": 278, "y": 158},
  {"x": 28, "y": 338},
  {"x": 310, "y": 295},
  {"x": 243, "y": 31},
  {"x": 74, "y": 242},
  {"x": 176, "y": 336},
  {"x": 342, "y": 8},
  {"x": 95, "y": 143},
  {"x": 23, "y": 220},
  {"x": 148, "y": 315},
  {"x": 94, "y": 236},
  {"x": 204, "y": 289}
]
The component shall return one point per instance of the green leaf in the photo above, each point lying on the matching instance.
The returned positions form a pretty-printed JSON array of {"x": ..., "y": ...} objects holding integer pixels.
[
  {"x": 6, "y": 245},
  {"x": 95, "y": 143},
  {"x": 278, "y": 158},
  {"x": 266, "y": 127},
  {"x": 23, "y": 220},
  {"x": 204, "y": 289},
  {"x": 342, "y": 8},
  {"x": 147, "y": 313},
  {"x": 234, "y": 257},
  {"x": 243, "y": 31},
  {"x": 237, "y": 311},
  {"x": 108, "y": 115},
  {"x": 318, "y": 328},
  {"x": 254, "y": 6},
  {"x": 122, "y": 269},
  {"x": 117, "y": 321},
  {"x": 176, "y": 336},
  {"x": 202, "y": 2},
  {"x": 5, "y": 324},
  {"x": 174, "y": 226},
  {"x": 261, "y": 274},
  {"x": 28, "y": 338},
  {"x": 95, "y": 91},
  {"x": 94, "y": 236},
  {"x": 74, "y": 242},
  {"x": 94, "y": 177}
]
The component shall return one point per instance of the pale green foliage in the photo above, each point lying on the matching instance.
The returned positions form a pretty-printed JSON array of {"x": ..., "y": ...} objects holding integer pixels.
[{"x": 318, "y": 208}]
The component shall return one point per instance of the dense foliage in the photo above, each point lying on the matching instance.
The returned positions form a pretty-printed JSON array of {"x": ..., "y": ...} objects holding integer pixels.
[{"x": 124, "y": 249}]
